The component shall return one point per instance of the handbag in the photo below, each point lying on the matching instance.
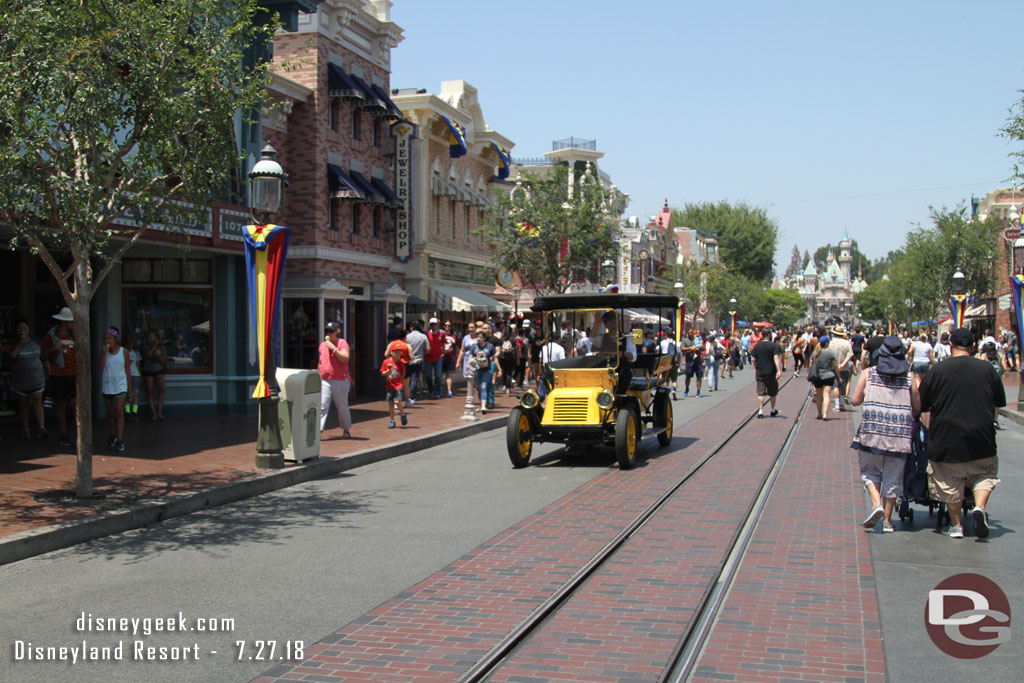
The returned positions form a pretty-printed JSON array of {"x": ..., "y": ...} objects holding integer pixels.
[{"x": 812, "y": 372}]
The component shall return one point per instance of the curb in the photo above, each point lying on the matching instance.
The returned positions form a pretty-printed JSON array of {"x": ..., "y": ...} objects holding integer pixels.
[
  {"x": 35, "y": 542},
  {"x": 1013, "y": 415}
]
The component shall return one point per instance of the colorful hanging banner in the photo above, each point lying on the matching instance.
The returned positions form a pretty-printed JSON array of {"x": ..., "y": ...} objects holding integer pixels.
[
  {"x": 680, "y": 320},
  {"x": 1017, "y": 283},
  {"x": 266, "y": 249},
  {"x": 456, "y": 138},
  {"x": 504, "y": 160},
  {"x": 958, "y": 309},
  {"x": 892, "y": 328},
  {"x": 732, "y": 322}
]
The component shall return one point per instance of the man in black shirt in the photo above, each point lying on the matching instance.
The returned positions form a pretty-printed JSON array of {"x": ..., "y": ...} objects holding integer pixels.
[
  {"x": 872, "y": 345},
  {"x": 767, "y": 358},
  {"x": 964, "y": 395},
  {"x": 857, "y": 343}
]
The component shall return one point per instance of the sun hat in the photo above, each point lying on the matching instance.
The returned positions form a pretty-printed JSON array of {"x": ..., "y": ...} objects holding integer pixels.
[
  {"x": 892, "y": 357},
  {"x": 65, "y": 315},
  {"x": 839, "y": 331}
]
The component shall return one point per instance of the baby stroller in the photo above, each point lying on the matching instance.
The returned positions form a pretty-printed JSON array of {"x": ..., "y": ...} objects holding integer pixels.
[{"x": 915, "y": 482}]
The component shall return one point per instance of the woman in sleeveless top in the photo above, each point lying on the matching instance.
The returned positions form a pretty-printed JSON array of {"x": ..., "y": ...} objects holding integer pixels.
[{"x": 114, "y": 370}]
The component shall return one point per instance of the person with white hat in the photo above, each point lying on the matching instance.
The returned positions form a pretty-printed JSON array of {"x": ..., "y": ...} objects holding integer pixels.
[{"x": 59, "y": 350}]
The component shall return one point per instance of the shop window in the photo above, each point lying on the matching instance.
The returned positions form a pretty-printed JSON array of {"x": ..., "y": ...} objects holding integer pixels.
[
  {"x": 332, "y": 218},
  {"x": 376, "y": 132},
  {"x": 182, "y": 319},
  {"x": 355, "y": 124},
  {"x": 332, "y": 114},
  {"x": 165, "y": 271},
  {"x": 376, "y": 221},
  {"x": 355, "y": 218}
]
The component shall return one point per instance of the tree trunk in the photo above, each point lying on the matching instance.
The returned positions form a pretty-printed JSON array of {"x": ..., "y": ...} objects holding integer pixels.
[{"x": 83, "y": 469}]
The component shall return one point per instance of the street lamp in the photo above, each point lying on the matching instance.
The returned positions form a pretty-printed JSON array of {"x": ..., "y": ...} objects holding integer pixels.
[
  {"x": 958, "y": 302},
  {"x": 264, "y": 200},
  {"x": 515, "y": 295},
  {"x": 1017, "y": 284}
]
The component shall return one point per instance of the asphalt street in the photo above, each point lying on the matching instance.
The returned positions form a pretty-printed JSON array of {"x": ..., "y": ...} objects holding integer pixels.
[{"x": 289, "y": 566}]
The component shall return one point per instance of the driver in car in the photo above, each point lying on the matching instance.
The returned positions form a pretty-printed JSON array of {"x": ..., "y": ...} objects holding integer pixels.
[{"x": 605, "y": 342}]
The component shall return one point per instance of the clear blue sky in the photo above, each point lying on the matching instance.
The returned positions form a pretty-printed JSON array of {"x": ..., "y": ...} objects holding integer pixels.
[{"x": 831, "y": 115}]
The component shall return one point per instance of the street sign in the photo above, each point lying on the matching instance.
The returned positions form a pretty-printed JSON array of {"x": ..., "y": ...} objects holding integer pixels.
[{"x": 1011, "y": 233}]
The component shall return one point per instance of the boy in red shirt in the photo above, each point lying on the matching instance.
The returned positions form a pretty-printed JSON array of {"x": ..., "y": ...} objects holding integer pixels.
[{"x": 393, "y": 371}]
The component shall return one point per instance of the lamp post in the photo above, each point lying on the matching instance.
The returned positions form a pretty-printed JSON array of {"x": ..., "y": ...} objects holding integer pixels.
[
  {"x": 958, "y": 302},
  {"x": 680, "y": 313},
  {"x": 1017, "y": 287},
  {"x": 264, "y": 200},
  {"x": 515, "y": 295},
  {"x": 732, "y": 317}
]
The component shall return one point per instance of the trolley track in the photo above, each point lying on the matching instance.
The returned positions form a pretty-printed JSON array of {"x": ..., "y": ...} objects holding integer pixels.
[{"x": 683, "y": 656}]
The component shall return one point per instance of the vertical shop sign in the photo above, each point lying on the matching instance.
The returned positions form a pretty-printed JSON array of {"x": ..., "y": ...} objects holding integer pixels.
[{"x": 403, "y": 133}]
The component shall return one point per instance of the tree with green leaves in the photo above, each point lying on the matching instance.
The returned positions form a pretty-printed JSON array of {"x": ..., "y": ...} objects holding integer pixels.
[
  {"x": 553, "y": 239},
  {"x": 784, "y": 306},
  {"x": 746, "y": 235},
  {"x": 874, "y": 301},
  {"x": 116, "y": 110}
]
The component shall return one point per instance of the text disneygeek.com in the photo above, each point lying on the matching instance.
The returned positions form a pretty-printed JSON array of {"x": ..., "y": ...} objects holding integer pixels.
[{"x": 138, "y": 650}]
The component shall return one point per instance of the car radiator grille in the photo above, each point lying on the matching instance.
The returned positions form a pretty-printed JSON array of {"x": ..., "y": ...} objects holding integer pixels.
[{"x": 566, "y": 409}]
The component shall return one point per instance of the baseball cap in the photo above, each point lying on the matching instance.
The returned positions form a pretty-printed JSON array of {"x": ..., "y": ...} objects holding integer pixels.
[
  {"x": 332, "y": 327},
  {"x": 962, "y": 337},
  {"x": 823, "y": 339},
  {"x": 526, "y": 323},
  {"x": 433, "y": 321}
]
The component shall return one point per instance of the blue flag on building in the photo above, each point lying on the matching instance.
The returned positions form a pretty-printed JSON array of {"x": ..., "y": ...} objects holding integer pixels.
[
  {"x": 504, "y": 160},
  {"x": 456, "y": 138}
]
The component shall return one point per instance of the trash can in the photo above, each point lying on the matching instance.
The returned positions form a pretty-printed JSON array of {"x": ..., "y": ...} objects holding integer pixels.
[{"x": 300, "y": 413}]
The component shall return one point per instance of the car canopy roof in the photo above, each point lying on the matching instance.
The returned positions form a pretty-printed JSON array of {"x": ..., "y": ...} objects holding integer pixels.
[{"x": 557, "y": 302}]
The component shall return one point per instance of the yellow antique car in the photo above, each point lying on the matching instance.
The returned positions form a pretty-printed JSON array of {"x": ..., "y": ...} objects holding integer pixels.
[{"x": 601, "y": 392}]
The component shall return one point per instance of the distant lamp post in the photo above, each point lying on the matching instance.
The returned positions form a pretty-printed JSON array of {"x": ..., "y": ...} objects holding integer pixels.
[
  {"x": 516, "y": 290},
  {"x": 680, "y": 314},
  {"x": 1017, "y": 285},
  {"x": 732, "y": 316},
  {"x": 958, "y": 301},
  {"x": 608, "y": 271},
  {"x": 266, "y": 248}
]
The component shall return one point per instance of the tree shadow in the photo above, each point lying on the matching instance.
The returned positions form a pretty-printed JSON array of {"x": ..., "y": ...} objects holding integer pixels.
[{"x": 266, "y": 519}]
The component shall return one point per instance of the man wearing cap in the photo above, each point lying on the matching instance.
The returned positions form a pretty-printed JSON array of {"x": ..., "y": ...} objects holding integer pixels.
[
  {"x": 767, "y": 359},
  {"x": 432, "y": 358},
  {"x": 59, "y": 351},
  {"x": 963, "y": 395},
  {"x": 843, "y": 350}
]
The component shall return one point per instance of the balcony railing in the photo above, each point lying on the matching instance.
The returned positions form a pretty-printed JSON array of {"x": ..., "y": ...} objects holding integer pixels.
[{"x": 574, "y": 143}]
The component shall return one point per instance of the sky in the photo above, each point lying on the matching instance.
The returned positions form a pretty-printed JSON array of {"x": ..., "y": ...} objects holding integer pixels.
[{"x": 829, "y": 115}]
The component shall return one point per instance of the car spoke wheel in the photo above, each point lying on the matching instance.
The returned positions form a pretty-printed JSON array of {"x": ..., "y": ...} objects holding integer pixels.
[
  {"x": 627, "y": 437},
  {"x": 665, "y": 437},
  {"x": 519, "y": 437}
]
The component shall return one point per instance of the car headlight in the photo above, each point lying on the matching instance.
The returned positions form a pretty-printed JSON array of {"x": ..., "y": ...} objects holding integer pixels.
[
  {"x": 605, "y": 399},
  {"x": 529, "y": 399}
]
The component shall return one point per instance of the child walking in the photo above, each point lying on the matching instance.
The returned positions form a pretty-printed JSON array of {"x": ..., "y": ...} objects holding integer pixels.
[
  {"x": 393, "y": 371},
  {"x": 131, "y": 407}
]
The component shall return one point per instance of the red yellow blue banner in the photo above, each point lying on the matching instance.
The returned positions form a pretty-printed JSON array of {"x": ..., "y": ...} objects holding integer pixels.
[
  {"x": 266, "y": 249},
  {"x": 456, "y": 138},
  {"x": 504, "y": 160},
  {"x": 1017, "y": 283},
  {"x": 680, "y": 320},
  {"x": 732, "y": 323},
  {"x": 958, "y": 309}
]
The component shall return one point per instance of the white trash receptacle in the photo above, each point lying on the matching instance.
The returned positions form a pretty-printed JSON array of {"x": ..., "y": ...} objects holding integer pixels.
[{"x": 300, "y": 413}]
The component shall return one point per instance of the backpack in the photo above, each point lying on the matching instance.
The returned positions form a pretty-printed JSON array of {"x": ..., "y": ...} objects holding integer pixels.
[
  {"x": 718, "y": 350},
  {"x": 506, "y": 348}
]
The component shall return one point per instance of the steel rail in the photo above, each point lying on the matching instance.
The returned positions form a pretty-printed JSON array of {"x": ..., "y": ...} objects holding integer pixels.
[
  {"x": 491, "y": 661},
  {"x": 687, "y": 651}
]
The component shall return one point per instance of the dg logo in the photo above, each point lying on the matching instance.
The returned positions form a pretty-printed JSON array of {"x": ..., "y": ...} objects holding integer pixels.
[{"x": 967, "y": 616}]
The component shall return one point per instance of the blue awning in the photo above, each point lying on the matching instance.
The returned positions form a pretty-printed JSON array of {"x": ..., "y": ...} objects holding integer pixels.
[
  {"x": 456, "y": 138},
  {"x": 387, "y": 192},
  {"x": 340, "y": 84},
  {"x": 372, "y": 101},
  {"x": 392, "y": 112},
  {"x": 504, "y": 160},
  {"x": 369, "y": 193},
  {"x": 341, "y": 186}
]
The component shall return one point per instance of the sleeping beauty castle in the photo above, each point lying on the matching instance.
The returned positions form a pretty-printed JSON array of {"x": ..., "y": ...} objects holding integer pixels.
[{"x": 829, "y": 294}]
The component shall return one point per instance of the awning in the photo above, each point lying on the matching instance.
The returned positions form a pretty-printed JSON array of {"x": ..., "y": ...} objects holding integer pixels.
[
  {"x": 341, "y": 186},
  {"x": 646, "y": 317},
  {"x": 392, "y": 112},
  {"x": 372, "y": 101},
  {"x": 387, "y": 193},
  {"x": 450, "y": 298},
  {"x": 340, "y": 84},
  {"x": 504, "y": 160},
  {"x": 978, "y": 311},
  {"x": 369, "y": 193}
]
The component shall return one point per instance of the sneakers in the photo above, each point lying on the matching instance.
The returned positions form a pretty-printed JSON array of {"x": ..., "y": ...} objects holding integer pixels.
[
  {"x": 42, "y": 433},
  {"x": 872, "y": 519},
  {"x": 483, "y": 409},
  {"x": 686, "y": 394},
  {"x": 119, "y": 445},
  {"x": 773, "y": 413},
  {"x": 674, "y": 397},
  {"x": 887, "y": 528},
  {"x": 111, "y": 441},
  {"x": 391, "y": 424},
  {"x": 65, "y": 441},
  {"x": 449, "y": 394},
  {"x": 980, "y": 522},
  {"x": 954, "y": 531},
  {"x": 700, "y": 395},
  {"x": 405, "y": 419},
  {"x": 411, "y": 401},
  {"x": 760, "y": 415}
]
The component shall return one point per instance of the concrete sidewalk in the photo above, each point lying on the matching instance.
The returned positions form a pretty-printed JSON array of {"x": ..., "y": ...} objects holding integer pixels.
[{"x": 181, "y": 465}]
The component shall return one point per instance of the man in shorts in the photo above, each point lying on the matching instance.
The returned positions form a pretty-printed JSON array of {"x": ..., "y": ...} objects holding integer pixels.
[
  {"x": 767, "y": 358},
  {"x": 58, "y": 349},
  {"x": 691, "y": 355},
  {"x": 963, "y": 394}
]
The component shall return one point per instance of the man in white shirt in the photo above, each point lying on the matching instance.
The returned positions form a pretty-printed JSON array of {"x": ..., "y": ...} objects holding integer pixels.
[
  {"x": 585, "y": 345},
  {"x": 668, "y": 347},
  {"x": 549, "y": 353}
]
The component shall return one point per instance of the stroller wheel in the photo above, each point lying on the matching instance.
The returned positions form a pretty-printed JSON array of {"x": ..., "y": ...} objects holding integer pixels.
[{"x": 910, "y": 515}]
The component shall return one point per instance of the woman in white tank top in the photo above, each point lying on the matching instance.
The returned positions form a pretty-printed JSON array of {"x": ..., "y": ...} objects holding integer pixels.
[
  {"x": 923, "y": 355},
  {"x": 114, "y": 369}
]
